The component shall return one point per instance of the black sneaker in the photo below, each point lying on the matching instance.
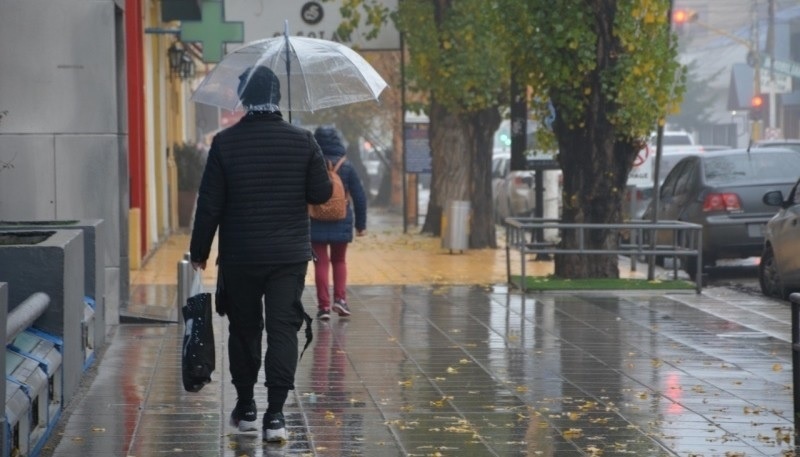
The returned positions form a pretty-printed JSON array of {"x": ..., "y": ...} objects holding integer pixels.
[
  {"x": 274, "y": 428},
  {"x": 244, "y": 416},
  {"x": 341, "y": 308},
  {"x": 324, "y": 314}
]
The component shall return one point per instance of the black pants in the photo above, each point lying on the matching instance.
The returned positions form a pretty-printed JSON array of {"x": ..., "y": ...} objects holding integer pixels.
[{"x": 264, "y": 296}]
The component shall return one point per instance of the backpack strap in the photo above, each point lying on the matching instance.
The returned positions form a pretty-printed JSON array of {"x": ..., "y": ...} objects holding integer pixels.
[{"x": 339, "y": 163}]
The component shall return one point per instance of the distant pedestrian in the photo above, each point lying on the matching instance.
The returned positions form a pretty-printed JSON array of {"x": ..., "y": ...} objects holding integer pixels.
[
  {"x": 329, "y": 239},
  {"x": 260, "y": 176}
]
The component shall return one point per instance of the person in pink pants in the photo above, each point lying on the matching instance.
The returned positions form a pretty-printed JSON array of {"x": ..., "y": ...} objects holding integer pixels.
[{"x": 329, "y": 239}]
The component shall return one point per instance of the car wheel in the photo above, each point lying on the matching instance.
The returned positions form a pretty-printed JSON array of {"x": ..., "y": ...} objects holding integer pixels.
[
  {"x": 768, "y": 277},
  {"x": 690, "y": 267}
]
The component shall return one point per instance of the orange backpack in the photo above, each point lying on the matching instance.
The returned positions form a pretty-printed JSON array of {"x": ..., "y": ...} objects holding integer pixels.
[{"x": 335, "y": 209}]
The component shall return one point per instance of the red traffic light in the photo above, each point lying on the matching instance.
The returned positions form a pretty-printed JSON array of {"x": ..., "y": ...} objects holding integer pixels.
[
  {"x": 757, "y": 107},
  {"x": 683, "y": 16}
]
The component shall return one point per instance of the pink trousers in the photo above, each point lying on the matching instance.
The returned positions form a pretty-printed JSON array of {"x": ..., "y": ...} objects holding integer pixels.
[{"x": 337, "y": 259}]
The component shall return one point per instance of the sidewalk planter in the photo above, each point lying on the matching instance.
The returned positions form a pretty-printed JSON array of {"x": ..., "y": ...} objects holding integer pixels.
[
  {"x": 51, "y": 262},
  {"x": 94, "y": 256},
  {"x": 17, "y": 427},
  {"x": 45, "y": 351},
  {"x": 30, "y": 431}
]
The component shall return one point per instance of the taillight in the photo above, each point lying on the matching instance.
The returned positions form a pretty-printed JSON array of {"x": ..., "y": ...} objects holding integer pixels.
[{"x": 721, "y": 202}]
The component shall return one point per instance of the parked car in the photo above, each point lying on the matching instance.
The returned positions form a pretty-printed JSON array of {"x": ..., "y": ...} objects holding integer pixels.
[
  {"x": 779, "y": 268},
  {"x": 673, "y": 138},
  {"x": 639, "y": 190},
  {"x": 788, "y": 144},
  {"x": 723, "y": 192},
  {"x": 514, "y": 192}
]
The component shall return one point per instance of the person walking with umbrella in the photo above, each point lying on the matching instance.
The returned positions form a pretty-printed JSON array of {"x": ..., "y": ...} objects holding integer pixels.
[
  {"x": 329, "y": 239},
  {"x": 259, "y": 178}
]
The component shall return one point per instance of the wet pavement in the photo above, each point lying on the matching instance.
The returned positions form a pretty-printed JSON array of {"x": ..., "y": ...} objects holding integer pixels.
[{"x": 468, "y": 370}]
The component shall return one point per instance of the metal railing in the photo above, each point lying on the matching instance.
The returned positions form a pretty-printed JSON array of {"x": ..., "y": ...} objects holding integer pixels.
[{"x": 524, "y": 235}]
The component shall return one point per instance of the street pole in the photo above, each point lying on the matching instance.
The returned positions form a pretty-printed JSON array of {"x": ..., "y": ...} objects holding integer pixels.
[
  {"x": 771, "y": 52},
  {"x": 755, "y": 128},
  {"x": 651, "y": 267}
]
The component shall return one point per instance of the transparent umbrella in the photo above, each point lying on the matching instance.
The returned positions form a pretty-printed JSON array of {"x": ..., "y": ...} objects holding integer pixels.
[{"x": 313, "y": 74}]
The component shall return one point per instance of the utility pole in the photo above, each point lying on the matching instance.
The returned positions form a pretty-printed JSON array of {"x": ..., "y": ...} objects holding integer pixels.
[
  {"x": 651, "y": 261},
  {"x": 771, "y": 51},
  {"x": 755, "y": 129}
]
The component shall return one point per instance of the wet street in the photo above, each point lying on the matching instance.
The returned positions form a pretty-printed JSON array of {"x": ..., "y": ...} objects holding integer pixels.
[{"x": 475, "y": 371}]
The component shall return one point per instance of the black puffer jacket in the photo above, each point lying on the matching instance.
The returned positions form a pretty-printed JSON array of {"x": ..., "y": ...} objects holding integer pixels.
[{"x": 260, "y": 176}]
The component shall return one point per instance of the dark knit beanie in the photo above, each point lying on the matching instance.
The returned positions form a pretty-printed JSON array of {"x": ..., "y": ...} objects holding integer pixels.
[{"x": 259, "y": 86}]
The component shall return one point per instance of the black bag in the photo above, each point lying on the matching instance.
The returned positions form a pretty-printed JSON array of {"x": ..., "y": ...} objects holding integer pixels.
[{"x": 198, "y": 355}]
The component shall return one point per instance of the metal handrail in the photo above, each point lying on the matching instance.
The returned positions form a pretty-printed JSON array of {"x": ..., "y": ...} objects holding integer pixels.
[
  {"x": 687, "y": 241},
  {"x": 25, "y": 314}
]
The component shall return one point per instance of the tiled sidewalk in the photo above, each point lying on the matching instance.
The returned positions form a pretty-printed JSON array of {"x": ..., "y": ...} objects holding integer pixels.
[
  {"x": 471, "y": 370},
  {"x": 441, "y": 359}
]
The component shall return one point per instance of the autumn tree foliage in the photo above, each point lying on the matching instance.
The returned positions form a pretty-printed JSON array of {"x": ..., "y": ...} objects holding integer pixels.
[{"x": 607, "y": 69}]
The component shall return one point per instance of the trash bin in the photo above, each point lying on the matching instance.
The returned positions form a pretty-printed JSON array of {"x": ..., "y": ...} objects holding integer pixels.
[{"x": 455, "y": 225}]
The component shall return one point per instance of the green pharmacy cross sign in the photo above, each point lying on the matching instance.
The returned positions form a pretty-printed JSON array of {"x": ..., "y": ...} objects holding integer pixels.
[{"x": 212, "y": 31}]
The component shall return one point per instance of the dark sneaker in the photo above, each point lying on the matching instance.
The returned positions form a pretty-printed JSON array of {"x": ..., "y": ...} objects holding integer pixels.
[
  {"x": 324, "y": 314},
  {"x": 244, "y": 416},
  {"x": 341, "y": 308},
  {"x": 274, "y": 428}
]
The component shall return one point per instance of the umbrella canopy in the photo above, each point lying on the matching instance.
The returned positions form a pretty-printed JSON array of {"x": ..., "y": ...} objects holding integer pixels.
[{"x": 313, "y": 74}]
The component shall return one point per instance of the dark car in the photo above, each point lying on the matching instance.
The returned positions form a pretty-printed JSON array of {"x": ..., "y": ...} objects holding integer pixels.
[
  {"x": 779, "y": 269},
  {"x": 723, "y": 192}
]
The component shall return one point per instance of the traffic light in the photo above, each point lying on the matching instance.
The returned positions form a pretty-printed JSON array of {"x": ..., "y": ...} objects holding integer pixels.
[
  {"x": 681, "y": 17},
  {"x": 757, "y": 107}
]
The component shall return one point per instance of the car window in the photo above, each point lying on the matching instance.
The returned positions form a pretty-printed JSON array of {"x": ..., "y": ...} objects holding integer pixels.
[
  {"x": 731, "y": 169},
  {"x": 672, "y": 178},
  {"x": 794, "y": 195},
  {"x": 499, "y": 167},
  {"x": 667, "y": 163},
  {"x": 684, "y": 181}
]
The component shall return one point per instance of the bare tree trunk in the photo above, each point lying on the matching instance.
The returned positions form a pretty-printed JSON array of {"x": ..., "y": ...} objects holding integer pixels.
[
  {"x": 461, "y": 149},
  {"x": 397, "y": 171},
  {"x": 450, "y": 165},
  {"x": 483, "y": 124}
]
